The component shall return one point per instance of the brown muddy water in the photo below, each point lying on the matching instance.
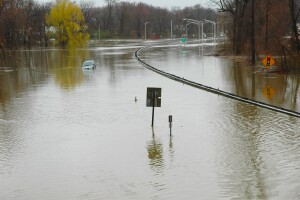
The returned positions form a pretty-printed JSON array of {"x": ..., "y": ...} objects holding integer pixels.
[{"x": 72, "y": 134}]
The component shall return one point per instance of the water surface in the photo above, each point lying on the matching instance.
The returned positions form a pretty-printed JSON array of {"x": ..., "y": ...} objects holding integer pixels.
[{"x": 72, "y": 134}]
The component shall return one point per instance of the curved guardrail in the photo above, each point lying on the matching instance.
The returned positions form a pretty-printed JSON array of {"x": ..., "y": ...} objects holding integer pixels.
[{"x": 214, "y": 90}]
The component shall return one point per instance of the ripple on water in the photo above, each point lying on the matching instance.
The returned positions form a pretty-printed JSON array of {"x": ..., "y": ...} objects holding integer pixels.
[
  {"x": 11, "y": 145},
  {"x": 258, "y": 146}
]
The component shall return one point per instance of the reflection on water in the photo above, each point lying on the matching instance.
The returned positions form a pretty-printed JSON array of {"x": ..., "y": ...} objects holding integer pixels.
[
  {"x": 66, "y": 65},
  {"x": 72, "y": 134},
  {"x": 155, "y": 154},
  {"x": 171, "y": 148},
  {"x": 251, "y": 153}
]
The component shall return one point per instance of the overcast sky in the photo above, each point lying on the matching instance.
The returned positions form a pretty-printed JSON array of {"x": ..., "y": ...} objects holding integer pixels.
[{"x": 157, "y": 3}]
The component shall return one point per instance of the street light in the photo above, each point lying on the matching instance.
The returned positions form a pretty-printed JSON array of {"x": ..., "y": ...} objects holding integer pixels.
[
  {"x": 197, "y": 22},
  {"x": 214, "y": 27},
  {"x": 146, "y": 30},
  {"x": 186, "y": 29}
]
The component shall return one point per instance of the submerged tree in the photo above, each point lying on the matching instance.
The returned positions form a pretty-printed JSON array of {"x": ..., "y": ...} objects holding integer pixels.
[{"x": 69, "y": 23}]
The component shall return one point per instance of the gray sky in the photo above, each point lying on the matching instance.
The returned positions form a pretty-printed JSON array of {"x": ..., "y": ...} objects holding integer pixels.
[{"x": 157, "y": 3}]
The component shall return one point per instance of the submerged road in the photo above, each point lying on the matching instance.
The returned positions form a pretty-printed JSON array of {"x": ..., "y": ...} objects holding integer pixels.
[{"x": 214, "y": 90}]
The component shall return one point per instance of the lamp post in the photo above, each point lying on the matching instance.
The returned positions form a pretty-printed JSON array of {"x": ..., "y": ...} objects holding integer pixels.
[
  {"x": 197, "y": 22},
  {"x": 186, "y": 29},
  {"x": 146, "y": 30},
  {"x": 214, "y": 27}
]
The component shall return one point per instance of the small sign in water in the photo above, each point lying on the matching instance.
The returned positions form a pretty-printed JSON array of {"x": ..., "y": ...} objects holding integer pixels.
[
  {"x": 268, "y": 62},
  {"x": 153, "y": 99}
]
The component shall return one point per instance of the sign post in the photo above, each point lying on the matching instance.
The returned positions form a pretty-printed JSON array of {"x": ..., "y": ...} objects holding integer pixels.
[
  {"x": 170, "y": 124},
  {"x": 153, "y": 100}
]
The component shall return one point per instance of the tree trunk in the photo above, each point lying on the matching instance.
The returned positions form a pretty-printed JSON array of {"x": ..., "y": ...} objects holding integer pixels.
[
  {"x": 294, "y": 17},
  {"x": 234, "y": 35},
  {"x": 252, "y": 34},
  {"x": 267, "y": 26},
  {"x": 239, "y": 36}
]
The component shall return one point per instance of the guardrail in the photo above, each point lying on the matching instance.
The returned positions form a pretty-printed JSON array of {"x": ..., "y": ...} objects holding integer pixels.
[{"x": 214, "y": 90}]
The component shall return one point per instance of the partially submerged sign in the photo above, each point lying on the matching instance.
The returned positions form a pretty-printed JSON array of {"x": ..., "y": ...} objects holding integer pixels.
[
  {"x": 153, "y": 97},
  {"x": 268, "y": 62}
]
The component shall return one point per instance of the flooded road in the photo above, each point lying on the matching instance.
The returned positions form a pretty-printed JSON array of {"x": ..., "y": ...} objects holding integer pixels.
[{"x": 72, "y": 134}]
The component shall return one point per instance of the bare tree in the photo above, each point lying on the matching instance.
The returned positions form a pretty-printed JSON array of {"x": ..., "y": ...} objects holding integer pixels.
[
  {"x": 252, "y": 33},
  {"x": 237, "y": 9},
  {"x": 110, "y": 5},
  {"x": 123, "y": 16},
  {"x": 87, "y": 10},
  {"x": 141, "y": 16},
  {"x": 295, "y": 11}
]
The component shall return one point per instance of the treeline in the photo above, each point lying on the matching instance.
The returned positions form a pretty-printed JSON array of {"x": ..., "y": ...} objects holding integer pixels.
[
  {"x": 127, "y": 20},
  {"x": 263, "y": 27},
  {"x": 23, "y": 22}
]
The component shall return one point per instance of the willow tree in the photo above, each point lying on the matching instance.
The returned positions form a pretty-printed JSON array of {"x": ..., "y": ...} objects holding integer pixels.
[{"x": 69, "y": 23}]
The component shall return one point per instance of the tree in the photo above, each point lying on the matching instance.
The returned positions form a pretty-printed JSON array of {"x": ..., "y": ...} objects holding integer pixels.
[
  {"x": 123, "y": 16},
  {"x": 141, "y": 15},
  {"x": 294, "y": 11},
  {"x": 252, "y": 33},
  {"x": 110, "y": 5},
  {"x": 87, "y": 10},
  {"x": 237, "y": 9},
  {"x": 69, "y": 23}
]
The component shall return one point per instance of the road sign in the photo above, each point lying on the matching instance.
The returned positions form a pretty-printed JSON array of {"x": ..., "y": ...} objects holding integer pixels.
[
  {"x": 268, "y": 62},
  {"x": 153, "y": 100},
  {"x": 183, "y": 40},
  {"x": 153, "y": 97}
]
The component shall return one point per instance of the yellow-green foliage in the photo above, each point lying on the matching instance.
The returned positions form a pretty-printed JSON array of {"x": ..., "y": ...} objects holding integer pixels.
[{"x": 69, "y": 22}]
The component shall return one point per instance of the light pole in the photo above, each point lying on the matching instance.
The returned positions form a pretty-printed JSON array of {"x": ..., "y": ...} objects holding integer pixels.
[
  {"x": 197, "y": 22},
  {"x": 186, "y": 29},
  {"x": 214, "y": 27},
  {"x": 146, "y": 30}
]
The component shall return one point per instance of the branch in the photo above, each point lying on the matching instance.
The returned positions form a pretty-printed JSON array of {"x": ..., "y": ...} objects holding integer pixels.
[{"x": 224, "y": 6}]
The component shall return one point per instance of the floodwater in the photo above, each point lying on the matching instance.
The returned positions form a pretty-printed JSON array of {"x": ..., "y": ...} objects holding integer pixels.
[{"x": 72, "y": 134}]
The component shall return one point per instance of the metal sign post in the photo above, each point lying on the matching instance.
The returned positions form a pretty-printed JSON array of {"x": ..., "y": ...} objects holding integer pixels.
[
  {"x": 153, "y": 100},
  {"x": 170, "y": 124},
  {"x": 153, "y": 105}
]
